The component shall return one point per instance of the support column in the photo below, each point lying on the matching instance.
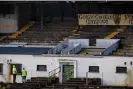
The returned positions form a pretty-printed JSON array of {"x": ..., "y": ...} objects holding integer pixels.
[
  {"x": 130, "y": 26},
  {"x": 16, "y": 16},
  {"x": 29, "y": 11},
  {"x": 104, "y": 12},
  {"x": 62, "y": 16},
  {"x": 37, "y": 11},
  {"x": 9, "y": 73},
  {"x": 41, "y": 18},
  {"x": 61, "y": 74}
]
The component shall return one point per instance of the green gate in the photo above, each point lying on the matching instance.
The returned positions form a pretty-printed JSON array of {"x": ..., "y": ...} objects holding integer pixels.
[{"x": 68, "y": 72}]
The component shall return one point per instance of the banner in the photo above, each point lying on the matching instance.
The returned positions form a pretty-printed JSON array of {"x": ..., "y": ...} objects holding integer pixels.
[{"x": 105, "y": 19}]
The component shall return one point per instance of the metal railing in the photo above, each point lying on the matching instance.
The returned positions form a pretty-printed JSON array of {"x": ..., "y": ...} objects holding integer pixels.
[
  {"x": 75, "y": 49},
  {"x": 111, "y": 48},
  {"x": 58, "y": 48},
  {"x": 53, "y": 73}
]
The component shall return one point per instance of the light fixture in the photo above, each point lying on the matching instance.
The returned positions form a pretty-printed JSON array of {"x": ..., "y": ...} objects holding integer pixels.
[
  {"x": 131, "y": 63},
  {"x": 125, "y": 63},
  {"x": 9, "y": 61}
]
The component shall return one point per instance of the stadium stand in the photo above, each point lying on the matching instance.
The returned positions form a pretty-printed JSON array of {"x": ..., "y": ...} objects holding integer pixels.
[
  {"x": 112, "y": 35},
  {"x": 66, "y": 38},
  {"x": 51, "y": 35},
  {"x": 73, "y": 83},
  {"x": 7, "y": 38},
  {"x": 93, "y": 33},
  {"x": 34, "y": 83},
  {"x": 2, "y": 38},
  {"x": 15, "y": 35},
  {"x": 126, "y": 48},
  {"x": 76, "y": 83}
]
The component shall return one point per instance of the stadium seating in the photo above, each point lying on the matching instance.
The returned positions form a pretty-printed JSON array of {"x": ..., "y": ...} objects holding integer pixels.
[
  {"x": 52, "y": 33},
  {"x": 113, "y": 34},
  {"x": 34, "y": 83},
  {"x": 2, "y": 38},
  {"x": 80, "y": 83},
  {"x": 126, "y": 48},
  {"x": 13, "y": 36},
  {"x": 93, "y": 33},
  {"x": 73, "y": 83}
]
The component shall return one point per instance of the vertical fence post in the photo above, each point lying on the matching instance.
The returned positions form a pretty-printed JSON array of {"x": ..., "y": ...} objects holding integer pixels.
[
  {"x": 102, "y": 79},
  {"x": 86, "y": 78},
  {"x": 61, "y": 74},
  {"x": 115, "y": 79},
  {"x": 49, "y": 77}
]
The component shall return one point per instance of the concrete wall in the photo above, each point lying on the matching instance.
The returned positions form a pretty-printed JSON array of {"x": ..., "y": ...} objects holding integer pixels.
[
  {"x": 84, "y": 42},
  {"x": 107, "y": 66},
  {"x": 8, "y": 23},
  {"x": 105, "y": 43}
]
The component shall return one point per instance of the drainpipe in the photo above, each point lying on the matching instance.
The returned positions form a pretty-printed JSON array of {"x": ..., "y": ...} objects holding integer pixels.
[{"x": 41, "y": 18}]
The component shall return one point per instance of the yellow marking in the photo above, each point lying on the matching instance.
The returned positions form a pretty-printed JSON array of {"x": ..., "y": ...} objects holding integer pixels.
[
  {"x": 3, "y": 37},
  {"x": 7, "y": 26},
  {"x": 113, "y": 34},
  {"x": 76, "y": 34},
  {"x": 82, "y": 52},
  {"x": 13, "y": 36},
  {"x": 71, "y": 36},
  {"x": 60, "y": 41},
  {"x": 74, "y": 31},
  {"x": 65, "y": 38}
]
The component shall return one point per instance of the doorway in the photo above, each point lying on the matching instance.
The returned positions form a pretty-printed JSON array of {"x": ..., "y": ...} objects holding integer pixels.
[
  {"x": 92, "y": 42},
  {"x": 68, "y": 72},
  {"x": 68, "y": 69}
]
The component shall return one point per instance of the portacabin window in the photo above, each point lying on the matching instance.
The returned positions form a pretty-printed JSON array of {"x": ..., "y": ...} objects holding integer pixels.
[
  {"x": 120, "y": 69},
  {"x": 41, "y": 67},
  {"x": 18, "y": 67},
  {"x": 94, "y": 69},
  {"x": 1, "y": 68}
]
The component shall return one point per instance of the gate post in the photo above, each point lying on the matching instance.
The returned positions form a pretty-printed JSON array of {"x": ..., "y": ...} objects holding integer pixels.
[
  {"x": 86, "y": 78},
  {"x": 61, "y": 74}
]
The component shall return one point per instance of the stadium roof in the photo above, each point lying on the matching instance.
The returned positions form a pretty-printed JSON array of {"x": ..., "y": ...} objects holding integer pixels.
[
  {"x": 68, "y": 0},
  {"x": 56, "y": 1}
]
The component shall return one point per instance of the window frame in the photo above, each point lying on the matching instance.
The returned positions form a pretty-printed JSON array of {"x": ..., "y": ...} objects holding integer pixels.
[
  {"x": 92, "y": 71},
  {"x": 1, "y": 72},
  {"x": 124, "y": 72},
  {"x": 37, "y": 68},
  {"x": 18, "y": 72}
]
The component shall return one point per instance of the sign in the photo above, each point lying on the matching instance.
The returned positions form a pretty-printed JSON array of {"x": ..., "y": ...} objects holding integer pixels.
[
  {"x": 105, "y": 19},
  {"x": 7, "y": 26}
]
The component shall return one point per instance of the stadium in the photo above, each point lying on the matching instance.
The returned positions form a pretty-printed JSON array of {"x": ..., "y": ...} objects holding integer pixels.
[{"x": 66, "y": 44}]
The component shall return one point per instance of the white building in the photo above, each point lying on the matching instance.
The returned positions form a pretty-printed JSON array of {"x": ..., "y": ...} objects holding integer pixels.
[{"x": 105, "y": 67}]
